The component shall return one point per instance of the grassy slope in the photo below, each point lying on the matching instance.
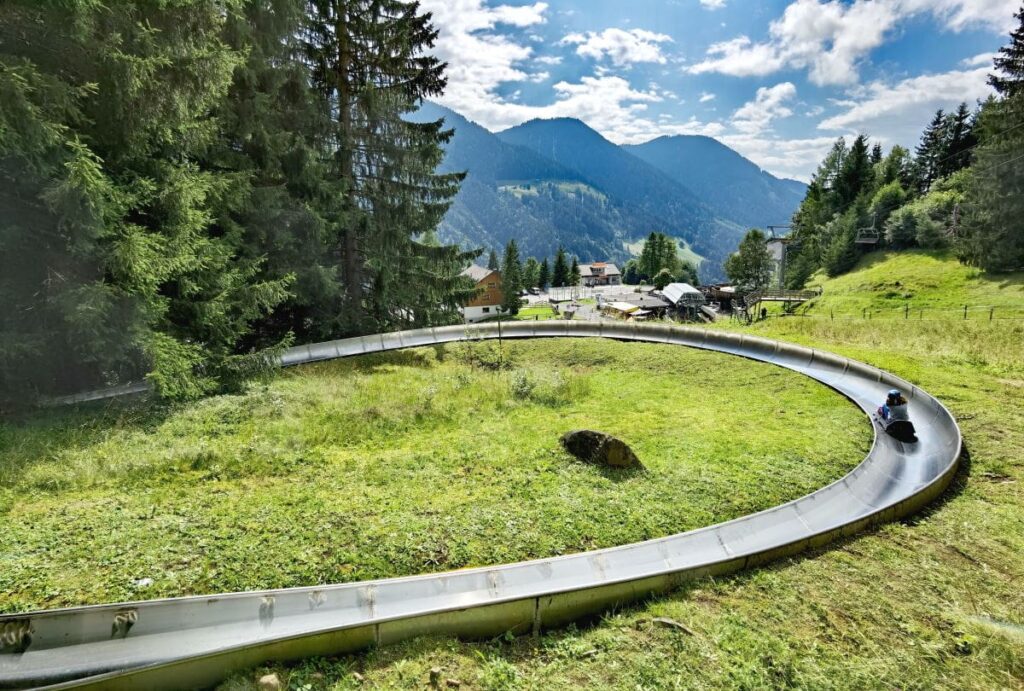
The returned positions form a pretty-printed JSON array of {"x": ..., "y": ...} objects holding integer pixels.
[
  {"x": 932, "y": 602},
  {"x": 400, "y": 464},
  {"x": 933, "y": 281}
]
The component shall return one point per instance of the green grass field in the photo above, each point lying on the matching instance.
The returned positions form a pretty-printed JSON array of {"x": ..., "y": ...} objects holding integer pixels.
[
  {"x": 933, "y": 285},
  {"x": 402, "y": 463},
  {"x": 930, "y": 602}
]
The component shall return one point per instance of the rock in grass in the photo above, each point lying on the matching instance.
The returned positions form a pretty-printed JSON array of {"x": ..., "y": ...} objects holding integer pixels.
[
  {"x": 600, "y": 448},
  {"x": 269, "y": 682}
]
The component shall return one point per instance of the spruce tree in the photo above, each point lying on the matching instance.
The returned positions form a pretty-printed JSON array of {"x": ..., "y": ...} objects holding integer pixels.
[
  {"x": 930, "y": 151},
  {"x": 117, "y": 257},
  {"x": 876, "y": 154},
  {"x": 492, "y": 261},
  {"x": 857, "y": 173},
  {"x": 960, "y": 139},
  {"x": 511, "y": 279},
  {"x": 544, "y": 276},
  {"x": 560, "y": 274},
  {"x": 991, "y": 235},
  {"x": 531, "y": 273},
  {"x": 574, "y": 272},
  {"x": 371, "y": 63},
  {"x": 1010, "y": 62}
]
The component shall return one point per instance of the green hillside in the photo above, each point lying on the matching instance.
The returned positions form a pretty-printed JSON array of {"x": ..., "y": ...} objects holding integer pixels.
[
  {"x": 929, "y": 602},
  {"x": 931, "y": 280}
]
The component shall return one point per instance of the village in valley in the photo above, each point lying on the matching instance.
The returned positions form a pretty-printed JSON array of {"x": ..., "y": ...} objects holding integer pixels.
[{"x": 599, "y": 291}]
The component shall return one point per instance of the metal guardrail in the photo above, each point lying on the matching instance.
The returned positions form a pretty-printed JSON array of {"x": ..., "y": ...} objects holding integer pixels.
[
  {"x": 779, "y": 295},
  {"x": 195, "y": 641}
]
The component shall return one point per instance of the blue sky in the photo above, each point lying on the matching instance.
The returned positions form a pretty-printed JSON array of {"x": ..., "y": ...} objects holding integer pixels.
[{"x": 777, "y": 80}]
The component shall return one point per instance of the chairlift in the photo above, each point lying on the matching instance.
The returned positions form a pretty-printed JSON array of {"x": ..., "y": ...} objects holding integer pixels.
[{"x": 869, "y": 235}]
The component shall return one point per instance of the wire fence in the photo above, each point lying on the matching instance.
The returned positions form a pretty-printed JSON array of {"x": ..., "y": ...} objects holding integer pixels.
[{"x": 908, "y": 312}]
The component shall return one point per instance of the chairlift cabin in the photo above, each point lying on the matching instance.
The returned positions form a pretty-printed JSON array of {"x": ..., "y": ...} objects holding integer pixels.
[{"x": 868, "y": 236}]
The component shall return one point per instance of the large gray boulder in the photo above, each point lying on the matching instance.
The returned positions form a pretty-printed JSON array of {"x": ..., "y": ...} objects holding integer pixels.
[{"x": 600, "y": 448}]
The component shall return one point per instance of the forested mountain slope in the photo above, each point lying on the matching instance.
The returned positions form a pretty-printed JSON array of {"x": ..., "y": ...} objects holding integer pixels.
[
  {"x": 637, "y": 188},
  {"x": 734, "y": 187}
]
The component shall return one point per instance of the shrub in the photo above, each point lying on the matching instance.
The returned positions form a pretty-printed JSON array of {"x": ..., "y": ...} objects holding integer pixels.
[{"x": 901, "y": 228}]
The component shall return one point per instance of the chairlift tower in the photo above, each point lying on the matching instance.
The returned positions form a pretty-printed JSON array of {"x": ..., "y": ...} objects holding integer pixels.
[{"x": 780, "y": 249}]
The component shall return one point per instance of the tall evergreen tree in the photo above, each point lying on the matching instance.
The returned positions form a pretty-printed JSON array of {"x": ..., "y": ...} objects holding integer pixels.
[
  {"x": 876, "y": 154},
  {"x": 930, "y": 151},
  {"x": 544, "y": 276},
  {"x": 492, "y": 261},
  {"x": 116, "y": 256},
  {"x": 370, "y": 62},
  {"x": 511, "y": 278},
  {"x": 960, "y": 140},
  {"x": 574, "y": 272},
  {"x": 1010, "y": 62},
  {"x": 560, "y": 273},
  {"x": 531, "y": 273},
  {"x": 856, "y": 174},
  {"x": 991, "y": 235}
]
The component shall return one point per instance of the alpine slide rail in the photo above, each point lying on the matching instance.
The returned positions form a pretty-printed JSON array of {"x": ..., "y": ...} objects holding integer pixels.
[{"x": 189, "y": 642}]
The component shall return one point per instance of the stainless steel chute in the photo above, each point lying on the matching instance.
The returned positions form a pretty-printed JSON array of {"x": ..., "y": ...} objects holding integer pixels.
[{"x": 194, "y": 641}]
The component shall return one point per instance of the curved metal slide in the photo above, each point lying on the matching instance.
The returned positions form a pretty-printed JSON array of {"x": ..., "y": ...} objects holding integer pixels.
[{"x": 195, "y": 641}]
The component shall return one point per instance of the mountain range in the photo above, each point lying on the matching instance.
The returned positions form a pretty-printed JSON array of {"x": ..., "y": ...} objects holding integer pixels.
[{"x": 558, "y": 182}]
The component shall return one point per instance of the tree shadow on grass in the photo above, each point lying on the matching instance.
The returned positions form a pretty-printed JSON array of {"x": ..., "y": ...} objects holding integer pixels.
[{"x": 38, "y": 436}]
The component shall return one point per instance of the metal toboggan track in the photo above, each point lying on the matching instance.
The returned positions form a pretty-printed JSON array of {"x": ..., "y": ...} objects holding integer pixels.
[{"x": 195, "y": 641}]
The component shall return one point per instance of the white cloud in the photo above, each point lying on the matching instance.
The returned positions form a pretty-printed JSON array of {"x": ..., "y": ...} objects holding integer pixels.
[
  {"x": 621, "y": 46},
  {"x": 958, "y": 15},
  {"x": 898, "y": 112},
  {"x": 791, "y": 158},
  {"x": 479, "y": 58},
  {"x": 769, "y": 104},
  {"x": 978, "y": 60},
  {"x": 739, "y": 57},
  {"x": 830, "y": 38},
  {"x": 538, "y": 77},
  {"x": 705, "y": 97},
  {"x": 713, "y": 4},
  {"x": 550, "y": 60}
]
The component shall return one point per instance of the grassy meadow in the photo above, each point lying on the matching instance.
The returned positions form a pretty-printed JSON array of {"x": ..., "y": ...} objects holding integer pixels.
[
  {"x": 932, "y": 602},
  {"x": 402, "y": 463}
]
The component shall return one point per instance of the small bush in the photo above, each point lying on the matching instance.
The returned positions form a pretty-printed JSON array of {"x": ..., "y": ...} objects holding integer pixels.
[{"x": 554, "y": 389}]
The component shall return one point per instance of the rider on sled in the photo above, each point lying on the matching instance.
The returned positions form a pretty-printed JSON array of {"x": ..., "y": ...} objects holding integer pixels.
[
  {"x": 895, "y": 407},
  {"x": 895, "y": 419}
]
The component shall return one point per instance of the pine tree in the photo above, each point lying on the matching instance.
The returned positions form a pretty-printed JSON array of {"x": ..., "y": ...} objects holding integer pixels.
[
  {"x": 560, "y": 274},
  {"x": 371, "y": 63},
  {"x": 876, "y": 154},
  {"x": 960, "y": 139},
  {"x": 930, "y": 151},
  {"x": 574, "y": 272},
  {"x": 1010, "y": 62},
  {"x": 117, "y": 258},
  {"x": 991, "y": 235},
  {"x": 544, "y": 277},
  {"x": 857, "y": 173},
  {"x": 531, "y": 273},
  {"x": 511, "y": 279},
  {"x": 492, "y": 261}
]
